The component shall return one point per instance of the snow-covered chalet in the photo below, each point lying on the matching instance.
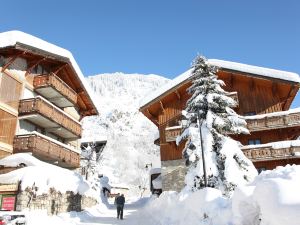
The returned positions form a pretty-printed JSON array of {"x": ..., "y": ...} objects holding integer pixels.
[
  {"x": 264, "y": 98},
  {"x": 43, "y": 97}
]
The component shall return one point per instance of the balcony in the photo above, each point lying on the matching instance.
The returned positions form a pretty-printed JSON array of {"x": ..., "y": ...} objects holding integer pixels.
[
  {"x": 273, "y": 121},
  {"x": 273, "y": 151},
  {"x": 171, "y": 133},
  {"x": 55, "y": 90},
  {"x": 47, "y": 149},
  {"x": 45, "y": 115}
]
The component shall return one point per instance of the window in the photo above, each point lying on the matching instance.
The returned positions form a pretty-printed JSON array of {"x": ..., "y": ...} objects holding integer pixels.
[
  {"x": 254, "y": 142},
  {"x": 10, "y": 91},
  {"x": 250, "y": 113}
]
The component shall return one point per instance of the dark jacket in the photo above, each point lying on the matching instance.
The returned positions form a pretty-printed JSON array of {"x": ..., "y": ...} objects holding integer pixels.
[{"x": 120, "y": 200}]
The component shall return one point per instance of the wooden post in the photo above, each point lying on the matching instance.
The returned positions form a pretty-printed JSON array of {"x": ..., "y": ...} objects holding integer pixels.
[{"x": 202, "y": 150}]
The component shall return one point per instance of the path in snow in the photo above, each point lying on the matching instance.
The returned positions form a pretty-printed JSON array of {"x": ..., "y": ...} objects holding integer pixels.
[
  {"x": 108, "y": 216},
  {"x": 97, "y": 215}
]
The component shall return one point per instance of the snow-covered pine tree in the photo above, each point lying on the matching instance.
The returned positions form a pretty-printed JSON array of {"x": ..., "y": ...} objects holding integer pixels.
[{"x": 226, "y": 165}]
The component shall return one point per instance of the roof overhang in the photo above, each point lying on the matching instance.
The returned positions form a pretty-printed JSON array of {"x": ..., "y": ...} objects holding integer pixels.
[{"x": 32, "y": 45}]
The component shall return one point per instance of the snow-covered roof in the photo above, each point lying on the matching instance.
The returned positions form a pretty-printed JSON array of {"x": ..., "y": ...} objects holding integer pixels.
[
  {"x": 11, "y": 38},
  {"x": 170, "y": 85},
  {"x": 254, "y": 70},
  {"x": 42, "y": 175}
]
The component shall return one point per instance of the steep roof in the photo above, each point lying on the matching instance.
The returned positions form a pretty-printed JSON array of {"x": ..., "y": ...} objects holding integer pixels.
[
  {"x": 226, "y": 65},
  {"x": 12, "y": 38}
]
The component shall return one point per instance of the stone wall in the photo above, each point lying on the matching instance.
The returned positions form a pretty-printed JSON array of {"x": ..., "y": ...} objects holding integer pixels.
[
  {"x": 173, "y": 174},
  {"x": 54, "y": 201}
]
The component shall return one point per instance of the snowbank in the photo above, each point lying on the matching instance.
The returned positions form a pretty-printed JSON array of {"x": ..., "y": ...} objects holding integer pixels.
[
  {"x": 43, "y": 175},
  {"x": 271, "y": 199}
]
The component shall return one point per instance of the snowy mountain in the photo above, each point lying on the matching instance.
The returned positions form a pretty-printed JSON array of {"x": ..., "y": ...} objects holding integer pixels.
[{"x": 130, "y": 135}]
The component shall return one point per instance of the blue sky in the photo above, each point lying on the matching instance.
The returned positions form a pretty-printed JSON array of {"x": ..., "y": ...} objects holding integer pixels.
[{"x": 162, "y": 36}]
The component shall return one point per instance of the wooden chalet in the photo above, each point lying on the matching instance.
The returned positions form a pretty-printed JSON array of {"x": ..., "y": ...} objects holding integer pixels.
[
  {"x": 264, "y": 97},
  {"x": 43, "y": 97}
]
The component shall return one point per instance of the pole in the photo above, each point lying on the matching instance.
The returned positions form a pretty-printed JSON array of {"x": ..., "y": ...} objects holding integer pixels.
[{"x": 202, "y": 150}]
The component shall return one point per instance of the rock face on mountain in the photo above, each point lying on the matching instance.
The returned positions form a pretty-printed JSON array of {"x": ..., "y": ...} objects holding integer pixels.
[{"x": 130, "y": 135}]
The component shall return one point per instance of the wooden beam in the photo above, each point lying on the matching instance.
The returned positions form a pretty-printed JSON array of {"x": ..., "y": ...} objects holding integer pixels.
[
  {"x": 152, "y": 117},
  {"x": 178, "y": 95},
  {"x": 11, "y": 60},
  {"x": 162, "y": 105},
  {"x": 150, "y": 113},
  {"x": 286, "y": 103},
  {"x": 34, "y": 65},
  {"x": 59, "y": 68}
]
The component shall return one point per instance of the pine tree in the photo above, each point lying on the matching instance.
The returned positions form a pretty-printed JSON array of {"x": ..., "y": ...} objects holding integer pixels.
[{"x": 210, "y": 108}]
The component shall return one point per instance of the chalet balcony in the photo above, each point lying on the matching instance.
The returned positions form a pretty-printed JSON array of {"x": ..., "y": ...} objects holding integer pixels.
[
  {"x": 44, "y": 114},
  {"x": 273, "y": 151},
  {"x": 171, "y": 133},
  {"x": 55, "y": 90},
  {"x": 47, "y": 149},
  {"x": 273, "y": 121}
]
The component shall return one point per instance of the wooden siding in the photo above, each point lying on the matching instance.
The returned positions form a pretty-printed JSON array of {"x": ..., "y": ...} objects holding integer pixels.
[
  {"x": 51, "y": 112},
  {"x": 46, "y": 150},
  {"x": 272, "y": 164},
  {"x": 10, "y": 91},
  {"x": 51, "y": 80},
  {"x": 8, "y": 125},
  {"x": 268, "y": 136}
]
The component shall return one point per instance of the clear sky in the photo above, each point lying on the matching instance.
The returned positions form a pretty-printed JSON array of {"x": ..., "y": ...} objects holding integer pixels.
[{"x": 163, "y": 36}]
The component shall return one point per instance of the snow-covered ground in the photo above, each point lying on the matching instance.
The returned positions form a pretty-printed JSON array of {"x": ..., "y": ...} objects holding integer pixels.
[
  {"x": 271, "y": 199},
  {"x": 100, "y": 214},
  {"x": 130, "y": 135}
]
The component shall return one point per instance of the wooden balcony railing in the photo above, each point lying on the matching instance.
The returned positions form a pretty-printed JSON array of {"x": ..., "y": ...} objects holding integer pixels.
[
  {"x": 273, "y": 122},
  {"x": 47, "y": 149},
  {"x": 55, "y": 90},
  {"x": 268, "y": 152},
  {"x": 53, "y": 118}
]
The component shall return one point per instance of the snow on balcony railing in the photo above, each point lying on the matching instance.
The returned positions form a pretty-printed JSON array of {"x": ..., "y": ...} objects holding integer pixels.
[
  {"x": 274, "y": 120},
  {"x": 273, "y": 150}
]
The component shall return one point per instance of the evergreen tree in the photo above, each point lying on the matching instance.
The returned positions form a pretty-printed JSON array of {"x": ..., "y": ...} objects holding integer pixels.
[{"x": 210, "y": 108}]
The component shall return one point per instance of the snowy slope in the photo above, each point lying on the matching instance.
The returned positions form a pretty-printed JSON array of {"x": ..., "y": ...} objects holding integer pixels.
[{"x": 130, "y": 135}]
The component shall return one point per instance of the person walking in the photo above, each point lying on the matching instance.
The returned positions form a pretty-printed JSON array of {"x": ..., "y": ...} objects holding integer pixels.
[{"x": 120, "y": 201}]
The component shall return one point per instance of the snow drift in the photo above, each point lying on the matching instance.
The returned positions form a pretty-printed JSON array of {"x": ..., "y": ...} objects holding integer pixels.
[
  {"x": 42, "y": 175},
  {"x": 271, "y": 199}
]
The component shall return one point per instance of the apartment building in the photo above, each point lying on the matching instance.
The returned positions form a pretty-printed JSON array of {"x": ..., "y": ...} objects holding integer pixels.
[{"x": 43, "y": 98}]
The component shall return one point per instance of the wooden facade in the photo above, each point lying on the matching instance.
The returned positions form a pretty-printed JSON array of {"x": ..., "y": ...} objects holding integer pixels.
[
  {"x": 42, "y": 100},
  {"x": 256, "y": 95}
]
